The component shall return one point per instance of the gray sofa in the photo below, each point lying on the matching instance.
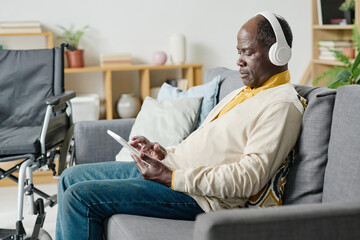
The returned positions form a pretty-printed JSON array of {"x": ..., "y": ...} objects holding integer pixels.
[{"x": 322, "y": 195}]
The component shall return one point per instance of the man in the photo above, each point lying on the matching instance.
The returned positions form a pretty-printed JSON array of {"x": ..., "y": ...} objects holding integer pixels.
[{"x": 229, "y": 158}]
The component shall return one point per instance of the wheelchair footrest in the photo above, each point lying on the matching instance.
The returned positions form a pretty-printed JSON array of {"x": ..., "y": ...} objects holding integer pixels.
[{"x": 5, "y": 233}]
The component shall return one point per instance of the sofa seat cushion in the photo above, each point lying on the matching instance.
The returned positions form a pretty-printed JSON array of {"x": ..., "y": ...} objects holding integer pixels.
[
  {"x": 306, "y": 178},
  {"x": 122, "y": 226},
  {"x": 342, "y": 175}
]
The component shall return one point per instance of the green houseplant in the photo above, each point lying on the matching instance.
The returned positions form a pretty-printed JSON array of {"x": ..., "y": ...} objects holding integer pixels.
[
  {"x": 346, "y": 74},
  {"x": 350, "y": 74},
  {"x": 348, "y": 7},
  {"x": 72, "y": 36}
]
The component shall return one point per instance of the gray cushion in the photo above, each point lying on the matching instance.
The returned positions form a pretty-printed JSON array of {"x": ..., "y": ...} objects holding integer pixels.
[
  {"x": 342, "y": 175},
  {"x": 19, "y": 140},
  {"x": 25, "y": 75},
  {"x": 123, "y": 226},
  {"x": 306, "y": 178},
  {"x": 230, "y": 80}
]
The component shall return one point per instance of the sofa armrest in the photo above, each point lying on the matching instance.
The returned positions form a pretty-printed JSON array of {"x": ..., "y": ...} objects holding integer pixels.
[
  {"x": 93, "y": 144},
  {"x": 313, "y": 221}
]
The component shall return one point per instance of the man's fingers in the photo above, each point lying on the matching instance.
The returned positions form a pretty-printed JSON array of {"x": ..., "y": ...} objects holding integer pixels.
[
  {"x": 156, "y": 147},
  {"x": 140, "y": 165},
  {"x": 148, "y": 159},
  {"x": 139, "y": 142},
  {"x": 140, "y": 139},
  {"x": 159, "y": 151}
]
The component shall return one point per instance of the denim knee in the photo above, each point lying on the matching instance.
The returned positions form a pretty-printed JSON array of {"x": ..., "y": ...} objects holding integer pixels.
[
  {"x": 72, "y": 199},
  {"x": 67, "y": 176},
  {"x": 70, "y": 171}
]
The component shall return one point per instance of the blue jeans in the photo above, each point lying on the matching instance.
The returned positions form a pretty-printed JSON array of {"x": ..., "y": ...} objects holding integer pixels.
[{"x": 90, "y": 193}]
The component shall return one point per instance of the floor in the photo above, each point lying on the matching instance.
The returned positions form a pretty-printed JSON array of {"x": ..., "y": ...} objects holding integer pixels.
[{"x": 8, "y": 209}]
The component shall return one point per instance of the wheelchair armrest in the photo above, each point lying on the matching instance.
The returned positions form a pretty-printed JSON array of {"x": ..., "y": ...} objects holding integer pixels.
[{"x": 61, "y": 98}]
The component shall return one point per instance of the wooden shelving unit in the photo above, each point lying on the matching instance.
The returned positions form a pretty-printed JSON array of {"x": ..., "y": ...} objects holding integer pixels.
[
  {"x": 191, "y": 72},
  {"x": 48, "y": 35},
  {"x": 326, "y": 32}
]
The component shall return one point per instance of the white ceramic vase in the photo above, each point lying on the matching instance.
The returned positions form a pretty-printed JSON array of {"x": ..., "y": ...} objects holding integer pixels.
[
  {"x": 128, "y": 106},
  {"x": 177, "y": 49}
]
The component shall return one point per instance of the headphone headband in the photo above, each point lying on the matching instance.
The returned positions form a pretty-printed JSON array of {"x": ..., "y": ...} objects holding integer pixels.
[
  {"x": 279, "y": 34},
  {"x": 280, "y": 51}
]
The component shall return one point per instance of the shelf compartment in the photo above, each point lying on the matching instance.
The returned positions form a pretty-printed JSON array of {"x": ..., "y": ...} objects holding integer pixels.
[
  {"x": 333, "y": 27},
  {"x": 192, "y": 72},
  {"x": 328, "y": 62}
]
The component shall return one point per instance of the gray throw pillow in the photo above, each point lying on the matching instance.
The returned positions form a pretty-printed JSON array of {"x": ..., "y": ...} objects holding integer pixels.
[
  {"x": 230, "y": 80},
  {"x": 306, "y": 178}
]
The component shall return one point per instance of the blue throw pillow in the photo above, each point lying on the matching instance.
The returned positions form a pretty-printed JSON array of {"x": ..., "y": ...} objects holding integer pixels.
[{"x": 208, "y": 91}]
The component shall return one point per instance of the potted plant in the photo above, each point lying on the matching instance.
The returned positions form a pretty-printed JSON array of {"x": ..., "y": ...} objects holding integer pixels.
[
  {"x": 72, "y": 36},
  {"x": 348, "y": 7},
  {"x": 349, "y": 72}
]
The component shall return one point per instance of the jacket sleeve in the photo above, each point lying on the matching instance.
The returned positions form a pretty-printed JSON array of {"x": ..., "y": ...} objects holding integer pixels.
[{"x": 270, "y": 140}]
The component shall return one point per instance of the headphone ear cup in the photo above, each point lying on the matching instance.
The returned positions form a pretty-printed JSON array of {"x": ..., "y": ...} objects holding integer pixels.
[
  {"x": 279, "y": 56},
  {"x": 272, "y": 54},
  {"x": 283, "y": 55}
]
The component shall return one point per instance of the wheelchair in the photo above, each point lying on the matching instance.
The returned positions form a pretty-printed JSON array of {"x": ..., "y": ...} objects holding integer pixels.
[{"x": 35, "y": 127}]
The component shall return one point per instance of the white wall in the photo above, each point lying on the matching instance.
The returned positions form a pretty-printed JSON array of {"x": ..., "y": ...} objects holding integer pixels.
[{"x": 142, "y": 27}]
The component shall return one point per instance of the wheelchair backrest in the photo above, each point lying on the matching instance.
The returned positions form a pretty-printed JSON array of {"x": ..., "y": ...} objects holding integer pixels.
[{"x": 27, "y": 79}]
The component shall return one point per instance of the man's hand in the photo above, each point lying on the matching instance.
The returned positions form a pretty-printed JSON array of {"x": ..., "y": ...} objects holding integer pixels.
[
  {"x": 156, "y": 171},
  {"x": 154, "y": 150}
]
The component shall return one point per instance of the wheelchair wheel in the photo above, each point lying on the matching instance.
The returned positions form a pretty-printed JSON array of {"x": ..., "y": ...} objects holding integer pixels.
[
  {"x": 43, "y": 235},
  {"x": 67, "y": 151}
]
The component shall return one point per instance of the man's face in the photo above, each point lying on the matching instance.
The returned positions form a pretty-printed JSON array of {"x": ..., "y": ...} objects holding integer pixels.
[{"x": 254, "y": 63}]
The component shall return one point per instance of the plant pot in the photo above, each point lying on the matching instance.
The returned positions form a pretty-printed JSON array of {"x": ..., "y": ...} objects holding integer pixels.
[
  {"x": 349, "y": 15},
  {"x": 349, "y": 52},
  {"x": 75, "y": 58}
]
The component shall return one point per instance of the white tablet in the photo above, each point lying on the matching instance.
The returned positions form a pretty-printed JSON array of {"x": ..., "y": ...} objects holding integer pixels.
[{"x": 123, "y": 142}]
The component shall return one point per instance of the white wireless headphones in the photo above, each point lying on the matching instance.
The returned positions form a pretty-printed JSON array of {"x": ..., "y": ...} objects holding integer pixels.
[{"x": 279, "y": 52}]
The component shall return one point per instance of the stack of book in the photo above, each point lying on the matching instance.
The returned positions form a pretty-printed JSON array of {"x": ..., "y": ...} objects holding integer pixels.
[
  {"x": 115, "y": 59},
  {"x": 325, "y": 48},
  {"x": 20, "y": 27}
]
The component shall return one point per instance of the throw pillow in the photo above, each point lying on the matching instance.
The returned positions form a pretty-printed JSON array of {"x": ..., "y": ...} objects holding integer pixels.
[
  {"x": 167, "y": 122},
  {"x": 272, "y": 194},
  {"x": 306, "y": 179},
  {"x": 208, "y": 91}
]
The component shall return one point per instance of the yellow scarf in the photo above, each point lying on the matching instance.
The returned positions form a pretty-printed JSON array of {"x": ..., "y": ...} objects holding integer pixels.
[{"x": 247, "y": 92}]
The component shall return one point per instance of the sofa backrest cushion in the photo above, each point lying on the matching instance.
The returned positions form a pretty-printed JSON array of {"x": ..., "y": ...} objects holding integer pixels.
[
  {"x": 306, "y": 178},
  {"x": 342, "y": 175},
  {"x": 230, "y": 80}
]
